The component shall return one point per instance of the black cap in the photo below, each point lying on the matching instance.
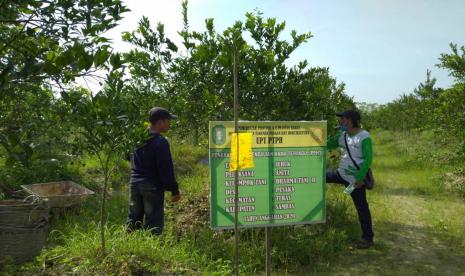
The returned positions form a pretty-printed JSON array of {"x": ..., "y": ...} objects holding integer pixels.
[
  {"x": 159, "y": 113},
  {"x": 354, "y": 115}
]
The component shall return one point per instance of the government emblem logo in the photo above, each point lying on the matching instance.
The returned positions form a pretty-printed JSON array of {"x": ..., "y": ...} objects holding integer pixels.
[{"x": 219, "y": 134}]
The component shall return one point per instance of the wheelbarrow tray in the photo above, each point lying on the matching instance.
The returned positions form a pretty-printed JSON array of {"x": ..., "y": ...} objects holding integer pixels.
[{"x": 59, "y": 194}]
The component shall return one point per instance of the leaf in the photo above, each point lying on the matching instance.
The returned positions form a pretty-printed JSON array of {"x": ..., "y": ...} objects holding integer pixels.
[
  {"x": 13, "y": 139},
  {"x": 50, "y": 56},
  {"x": 101, "y": 56},
  {"x": 89, "y": 60},
  {"x": 115, "y": 61},
  {"x": 63, "y": 59}
]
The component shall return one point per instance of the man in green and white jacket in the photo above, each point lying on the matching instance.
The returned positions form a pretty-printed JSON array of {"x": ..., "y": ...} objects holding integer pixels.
[{"x": 360, "y": 146}]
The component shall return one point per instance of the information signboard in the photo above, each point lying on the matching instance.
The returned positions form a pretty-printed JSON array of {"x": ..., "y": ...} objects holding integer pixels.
[{"x": 286, "y": 186}]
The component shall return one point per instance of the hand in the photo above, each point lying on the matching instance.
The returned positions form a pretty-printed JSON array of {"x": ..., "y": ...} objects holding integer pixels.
[
  {"x": 175, "y": 198},
  {"x": 358, "y": 184}
]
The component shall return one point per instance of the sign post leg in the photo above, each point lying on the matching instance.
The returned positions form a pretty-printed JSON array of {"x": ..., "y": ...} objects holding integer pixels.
[
  {"x": 236, "y": 173},
  {"x": 268, "y": 250}
]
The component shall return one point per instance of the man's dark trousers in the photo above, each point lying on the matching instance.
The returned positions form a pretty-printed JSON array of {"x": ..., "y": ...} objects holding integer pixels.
[
  {"x": 360, "y": 201},
  {"x": 146, "y": 199}
]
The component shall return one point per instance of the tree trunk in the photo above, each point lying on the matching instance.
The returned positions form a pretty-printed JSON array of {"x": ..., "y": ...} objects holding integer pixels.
[
  {"x": 102, "y": 212},
  {"x": 106, "y": 172}
]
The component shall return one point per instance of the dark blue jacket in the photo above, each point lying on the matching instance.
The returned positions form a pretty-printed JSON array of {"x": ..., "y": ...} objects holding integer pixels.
[{"x": 152, "y": 162}]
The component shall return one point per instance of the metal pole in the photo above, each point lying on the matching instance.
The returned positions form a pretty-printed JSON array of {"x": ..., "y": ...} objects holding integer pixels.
[
  {"x": 236, "y": 173},
  {"x": 268, "y": 250}
]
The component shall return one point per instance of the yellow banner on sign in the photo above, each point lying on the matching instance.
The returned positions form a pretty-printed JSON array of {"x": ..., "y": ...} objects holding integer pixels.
[{"x": 245, "y": 158}]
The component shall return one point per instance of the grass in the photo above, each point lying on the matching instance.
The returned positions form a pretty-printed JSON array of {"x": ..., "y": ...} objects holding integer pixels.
[
  {"x": 417, "y": 223},
  {"x": 188, "y": 245},
  {"x": 417, "y": 220}
]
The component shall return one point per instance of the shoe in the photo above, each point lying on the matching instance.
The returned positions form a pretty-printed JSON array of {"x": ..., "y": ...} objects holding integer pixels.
[{"x": 363, "y": 244}]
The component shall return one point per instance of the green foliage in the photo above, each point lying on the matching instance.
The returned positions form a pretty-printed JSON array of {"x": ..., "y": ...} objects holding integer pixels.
[
  {"x": 147, "y": 63},
  {"x": 15, "y": 175},
  {"x": 198, "y": 85},
  {"x": 409, "y": 112},
  {"x": 108, "y": 124},
  {"x": 401, "y": 114},
  {"x": 33, "y": 137},
  {"x": 454, "y": 62},
  {"x": 86, "y": 136},
  {"x": 451, "y": 117},
  {"x": 45, "y": 45},
  {"x": 50, "y": 40},
  {"x": 432, "y": 120},
  {"x": 107, "y": 119},
  {"x": 27, "y": 131},
  {"x": 431, "y": 108}
]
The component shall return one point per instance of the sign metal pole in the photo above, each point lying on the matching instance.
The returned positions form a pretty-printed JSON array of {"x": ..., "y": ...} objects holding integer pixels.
[
  {"x": 236, "y": 172},
  {"x": 268, "y": 250}
]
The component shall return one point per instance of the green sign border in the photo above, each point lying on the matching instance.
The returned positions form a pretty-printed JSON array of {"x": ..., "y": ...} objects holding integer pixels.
[{"x": 213, "y": 198}]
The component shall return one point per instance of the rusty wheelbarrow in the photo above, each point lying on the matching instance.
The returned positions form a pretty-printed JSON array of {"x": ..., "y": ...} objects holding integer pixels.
[{"x": 59, "y": 194}]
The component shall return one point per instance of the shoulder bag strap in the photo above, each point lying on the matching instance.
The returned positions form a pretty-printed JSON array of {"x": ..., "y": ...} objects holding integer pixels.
[{"x": 348, "y": 151}]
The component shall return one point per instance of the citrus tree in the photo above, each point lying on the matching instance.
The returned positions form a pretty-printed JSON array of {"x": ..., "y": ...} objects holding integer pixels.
[
  {"x": 44, "y": 47},
  {"x": 197, "y": 84},
  {"x": 109, "y": 123}
]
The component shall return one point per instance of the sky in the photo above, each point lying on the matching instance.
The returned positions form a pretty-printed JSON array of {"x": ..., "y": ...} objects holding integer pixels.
[{"x": 379, "y": 49}]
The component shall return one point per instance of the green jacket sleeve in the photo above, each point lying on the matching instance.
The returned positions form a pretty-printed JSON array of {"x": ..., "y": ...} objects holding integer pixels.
[
  {"x": 333, "y": 141},
  {"x": 367, "y": 150}
]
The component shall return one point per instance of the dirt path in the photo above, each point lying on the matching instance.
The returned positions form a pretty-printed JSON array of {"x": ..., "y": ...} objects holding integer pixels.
[{"x": 419, "y": 230}]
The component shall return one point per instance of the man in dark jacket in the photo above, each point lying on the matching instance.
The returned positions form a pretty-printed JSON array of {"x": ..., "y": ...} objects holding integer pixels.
[{"x": 152, "y": 173}]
